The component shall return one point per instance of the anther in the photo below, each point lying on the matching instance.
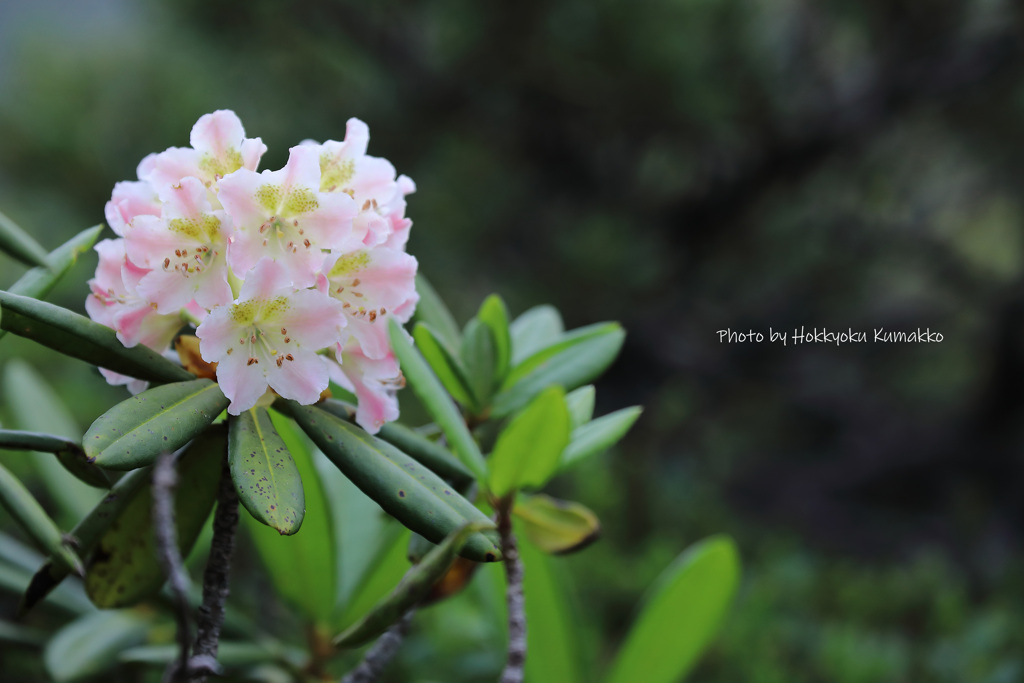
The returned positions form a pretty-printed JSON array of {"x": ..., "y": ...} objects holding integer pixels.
[
  {"x": 289, "y": 357},
  {"x": 253, "y": 361}
]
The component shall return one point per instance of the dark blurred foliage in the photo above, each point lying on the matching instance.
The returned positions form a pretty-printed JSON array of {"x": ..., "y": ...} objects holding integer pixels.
[{"x": 684, "y": 166}]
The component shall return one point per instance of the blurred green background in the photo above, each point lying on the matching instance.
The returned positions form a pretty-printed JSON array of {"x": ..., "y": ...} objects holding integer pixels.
[{"x": 683, "y": 166}]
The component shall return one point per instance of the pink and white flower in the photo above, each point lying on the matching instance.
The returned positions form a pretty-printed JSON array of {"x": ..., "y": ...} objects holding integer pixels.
[
  {"x": 375, "y": 382},
  {"x": 288, "y": 274},
  {"x": 269, "y": 337},
  {"x": 116, "y": 303},
  {"x": 185, "y": 248},
  {"x": 219, "y": 148},
  {"x": 372, "y": 284},
  {"x": 284, "y": 215},
  {"x": 370, "y": 181}
]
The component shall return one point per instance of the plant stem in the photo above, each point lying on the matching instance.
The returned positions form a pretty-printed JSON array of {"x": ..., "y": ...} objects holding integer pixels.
[
  {"x": 514, "y": 665},
  {"x": 165, "y": 479},
  {"x": 382, "y": 652},
  {"x": 215, "y": 578}
]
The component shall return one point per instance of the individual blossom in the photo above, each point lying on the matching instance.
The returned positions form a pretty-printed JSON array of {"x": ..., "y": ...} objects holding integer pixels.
[
  {"x": 370, "y": 181},
  {"x": 116, "y": 303},
  {"x": 371, "y": 284},
  {"x": 374, "y": 381},
  {"x": 219, "y": 148},
  {"x": 130, "y": 198},
  {"x": 269, "y": 337},
  {"x": 283, "y": 215},
  {"x": 185, "y": 249}
]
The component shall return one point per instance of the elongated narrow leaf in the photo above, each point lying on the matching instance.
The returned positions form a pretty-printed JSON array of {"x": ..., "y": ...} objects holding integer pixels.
[
  {"x": 69, "y": 454},
  {"x": 265, "y": 476},
  {"x": 528, "y": 449},
  {"x": 427, "y": 387},
  {"x": 581, "y": 405},
  {"x": 575, "y": 363},
  {"x": 69, "y": 598},
  {"x": 77, "y": 336},
  {"x": 35, "y": 406},
  {"x": 553, "y": 648},
  {"x": 414, "y": 586},
  {"x": 556, "y": 526},
  {"x": 478, "y": 357},
  {"x": 430, "y": 453},
  {"x": 494, "y": 314},
  {"x": 682, "y": 615},
  {"x": 21, "y": 635},
  {"x": 379, "y": 577},
  {"x": 38, "y": 282},
  {"x": 598, "y": 436},
  {"x": 535, "y": 329},
  {"x": 29, "y": 514},
  {"x": 564, "y": 342},
  {"x": 445, "y": 363},
  {"x": 124, "y": 568},
  {"x": 17, "y": 243},
  {"x": 431, "y": 310},
  {"x": 86, "y": 534},
  {"x": 230, "y": 654},
  {"x": 302, "y": 566},
  {"x": 406, "y": 490},
  {"x": 92, "y": 644},
  {"x": 135, "y": 431}
]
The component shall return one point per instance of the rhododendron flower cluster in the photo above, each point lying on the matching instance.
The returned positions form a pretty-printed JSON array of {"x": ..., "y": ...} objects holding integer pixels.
[{"x": 288, "y": 275}]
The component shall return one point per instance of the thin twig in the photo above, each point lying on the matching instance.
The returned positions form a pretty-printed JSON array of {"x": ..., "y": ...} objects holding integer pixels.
[
  {"x": 514, "y": 665},
  {"x": 215, "y": 579},
  {"x": 165, "y": 479},
  {"x": 382, "y": 652}
]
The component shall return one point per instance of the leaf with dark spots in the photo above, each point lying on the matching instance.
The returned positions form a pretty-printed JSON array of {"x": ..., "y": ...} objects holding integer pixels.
[{"x": 134, "y": 432}]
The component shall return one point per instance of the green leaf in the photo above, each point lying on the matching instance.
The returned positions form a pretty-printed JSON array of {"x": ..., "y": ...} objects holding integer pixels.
[
  {"x": 679, "y": 620},
  {"x": 414, "y": 586},
  {"x": 527, "y": 451},
  {"x": 430, "y": 453},
  {"x": 478, "y": 357},
  {"x": 445, "y": 363},
  {"x": 581, "y": 405},
  {"x": 494, "y": 314},
  {"x": 135, "y": 431},
  {"x": 17, "y": 243},
  {"x": 264, "y": 474},
  {"x": 21, "y": 635},
  {"x": 556, "y": 526},
  {"x": 427, "y": 387},
  {"x": 230, "y": 654},
  {"x": 431, "y": 310},
  {"x": 534, "y": 330},
  {"x": 91, "y": 644},
  {"x": 406, "y": 490},
  {"x": 68, "y": 453},
  {"x": 36, "y": 407},
  {"x": 38, "y": 282},
  {"x": 16, "y": 564},
  {"x": 380, "y": 575},
  {"x": 77, "y": 336},
  {"x": 86, "y": 534},
  {"x": 598, "y": 436},
  {"x": 578, "y": 359},
  {"x": 29, "y": 514},
  {"x": 553, "y": 649},
  {"x": 302, "y": 566},
  {"x": 124, "y": 568}
]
